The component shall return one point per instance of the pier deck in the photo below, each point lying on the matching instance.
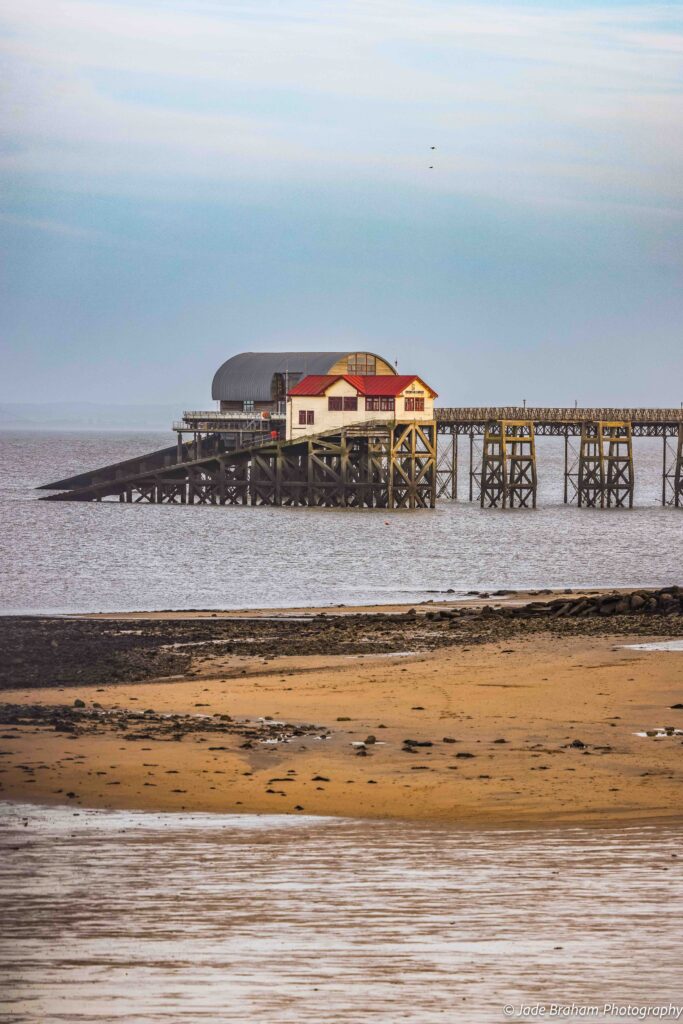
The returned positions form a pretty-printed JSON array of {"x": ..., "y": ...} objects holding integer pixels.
[{"x": 559, "y": 422}]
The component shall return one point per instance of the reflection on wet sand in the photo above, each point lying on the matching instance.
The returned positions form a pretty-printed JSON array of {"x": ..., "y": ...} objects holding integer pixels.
[{"x": 120, "y": 916}]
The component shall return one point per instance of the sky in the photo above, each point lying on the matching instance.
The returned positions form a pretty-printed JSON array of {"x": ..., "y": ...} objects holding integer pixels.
[{"x": 182, "y": 180}]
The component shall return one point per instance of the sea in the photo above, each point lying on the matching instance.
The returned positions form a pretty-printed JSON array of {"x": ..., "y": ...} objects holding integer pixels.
[{"x": 78, "y": 557}]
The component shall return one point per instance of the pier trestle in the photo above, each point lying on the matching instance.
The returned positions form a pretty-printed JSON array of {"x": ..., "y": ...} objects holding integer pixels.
[
  {"x": 508, "y": 468},
  {"x": 385, "y": 465},
  {"x": 605, "y": 471}
]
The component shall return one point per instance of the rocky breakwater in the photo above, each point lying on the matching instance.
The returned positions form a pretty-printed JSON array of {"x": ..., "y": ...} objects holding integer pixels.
[
  {"x": 668, "y": 601},
  {"x": 641, "y": 612}
]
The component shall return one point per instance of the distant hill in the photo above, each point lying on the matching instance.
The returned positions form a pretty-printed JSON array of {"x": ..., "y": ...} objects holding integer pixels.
[{"x": 87, "y": 416}]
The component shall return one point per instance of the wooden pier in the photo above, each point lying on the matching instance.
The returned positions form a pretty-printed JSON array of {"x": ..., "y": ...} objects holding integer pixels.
[
  {"x": 383, "y": 465},
  {"x": 598, "y": 466},
  {"x": 397, "y": 466}
]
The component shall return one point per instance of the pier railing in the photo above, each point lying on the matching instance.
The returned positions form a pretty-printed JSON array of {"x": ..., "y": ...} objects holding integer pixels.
[
  {"x": 212, "y": 415},
  {"x": 546, "y": 414}
]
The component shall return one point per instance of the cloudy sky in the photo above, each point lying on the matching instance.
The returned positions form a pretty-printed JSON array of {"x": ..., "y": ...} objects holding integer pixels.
[{"x": 181, "y": 180}]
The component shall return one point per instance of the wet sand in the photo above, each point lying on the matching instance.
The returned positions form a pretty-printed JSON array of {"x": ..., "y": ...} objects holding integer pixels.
[
  {"x": 512, "y": 727},
  {"x": 165, "y": 917}
]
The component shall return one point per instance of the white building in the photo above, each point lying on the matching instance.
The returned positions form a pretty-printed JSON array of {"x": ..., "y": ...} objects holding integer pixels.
[{"x": 330, "y": 401}]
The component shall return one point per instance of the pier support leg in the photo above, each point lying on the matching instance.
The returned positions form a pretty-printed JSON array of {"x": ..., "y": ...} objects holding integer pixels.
[
  {"x": 678, "y": 475},
  {"x": 447, "y": 468},
  {"x": 591, "y": 493},
  {"x": 620, "y": 477},
  {"x": 672, "y": 470},
  {"x": 508, "y": 469},
  {"x": 344, "y": 468},
  {"x": 471, "y": 473},
  {"x": 606, "y": 475},
  {"x": 412, "y": 465}
]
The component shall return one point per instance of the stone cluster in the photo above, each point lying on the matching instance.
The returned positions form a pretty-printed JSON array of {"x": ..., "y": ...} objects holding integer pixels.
[
  {"x": 667, "y": 601},
  {"x": 79, "y": 719}
]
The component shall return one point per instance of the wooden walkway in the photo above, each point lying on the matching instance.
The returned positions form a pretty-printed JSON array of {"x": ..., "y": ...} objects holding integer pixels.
[{"x": 556, "y": 422}]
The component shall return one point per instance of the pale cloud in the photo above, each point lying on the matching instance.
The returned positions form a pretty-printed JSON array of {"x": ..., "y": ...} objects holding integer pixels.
[
  {"x": 53, "y": 227},
  {"x": 91, "y": 236},
  {"x": 550, "y": 102}
]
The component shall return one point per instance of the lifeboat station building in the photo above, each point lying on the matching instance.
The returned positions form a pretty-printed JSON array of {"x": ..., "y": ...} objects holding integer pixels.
[
  {"x": 322, "y": 402},
  {"x": 264, "y": 396}
]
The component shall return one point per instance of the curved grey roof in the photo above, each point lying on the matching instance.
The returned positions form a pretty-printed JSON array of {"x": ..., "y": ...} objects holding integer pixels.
[{"x": 249, "y": 374}]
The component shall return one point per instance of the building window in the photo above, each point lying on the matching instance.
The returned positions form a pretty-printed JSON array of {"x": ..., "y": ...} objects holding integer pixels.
[
  {"x": 415, "y": 405},
  {"x": 306, "y": 417},
  {"x": 278, "y": 387},
  {"x": 362, "y": 364},
  {"x": 248, "y": 405},
  {"x": 348, "y": 403},
  {"x": 376, "y": 403}
]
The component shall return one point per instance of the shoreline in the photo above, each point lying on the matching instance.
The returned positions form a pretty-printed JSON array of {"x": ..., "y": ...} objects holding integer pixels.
[
  {"x": 519, "y": 716},
  {"x": 454, "y": 599},
  {"x": 637, "y": 824}
]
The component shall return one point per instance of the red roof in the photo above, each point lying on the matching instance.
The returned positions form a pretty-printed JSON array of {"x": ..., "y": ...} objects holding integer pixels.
[
  {"x": 314, "y": 384},
  {"x": 381, "y": 384}
]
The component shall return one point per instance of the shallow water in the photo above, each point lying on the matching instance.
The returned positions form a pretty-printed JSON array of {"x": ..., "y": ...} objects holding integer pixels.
[
  {"x": 119, "y": 916},
  {"x": 656, "y": 645},
  {"x": 83, "y": 557}
]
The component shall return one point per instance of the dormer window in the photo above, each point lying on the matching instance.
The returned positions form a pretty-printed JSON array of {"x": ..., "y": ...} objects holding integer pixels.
[{"x": 361, "y": 364}]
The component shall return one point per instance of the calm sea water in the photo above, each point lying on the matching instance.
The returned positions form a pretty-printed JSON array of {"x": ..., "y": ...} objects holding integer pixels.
[
  {"x": 115, "y": 916},
  {"x": 82, "y": 557}
]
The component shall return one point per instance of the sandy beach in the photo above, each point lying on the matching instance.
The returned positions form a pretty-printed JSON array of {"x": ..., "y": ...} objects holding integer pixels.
[{"x": 525, "y": 723}]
